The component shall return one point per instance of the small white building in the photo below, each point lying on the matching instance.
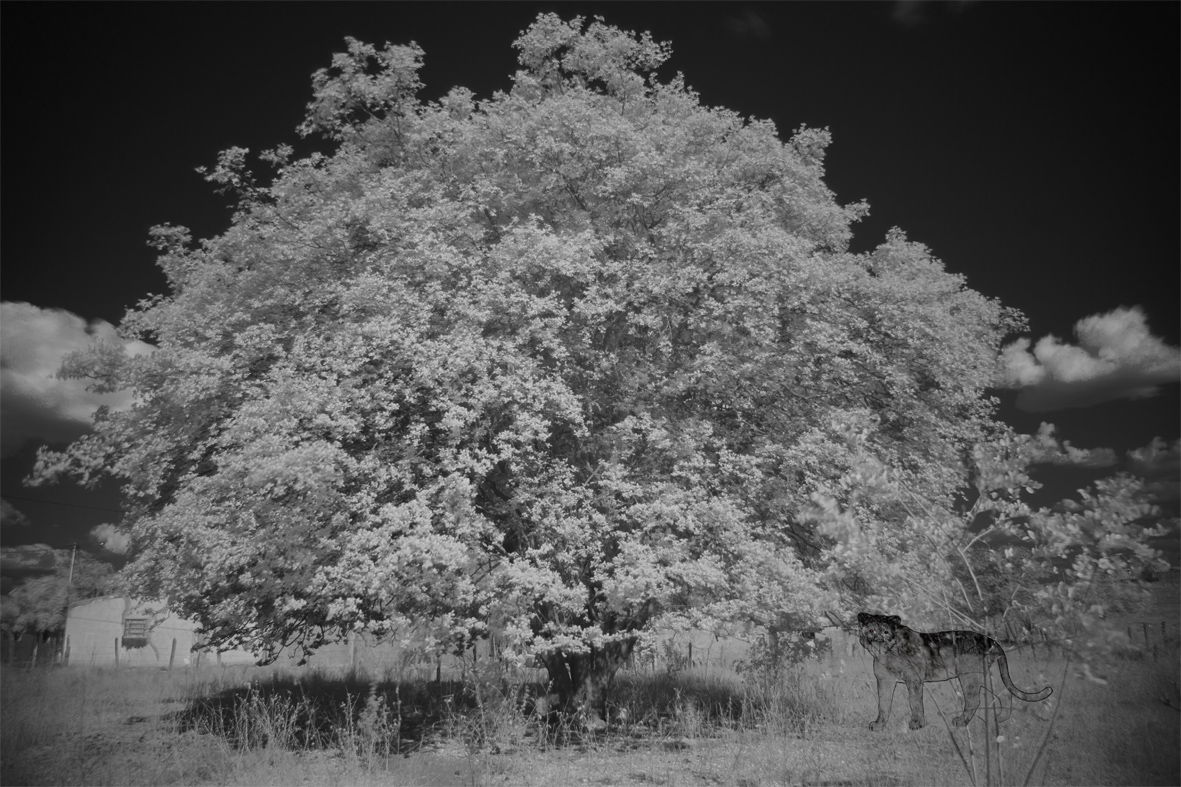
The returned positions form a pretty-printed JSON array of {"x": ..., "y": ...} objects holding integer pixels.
[{"x": 117, "y": 630}]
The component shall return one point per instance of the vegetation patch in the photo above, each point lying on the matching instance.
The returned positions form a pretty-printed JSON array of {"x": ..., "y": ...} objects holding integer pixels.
[{"x": 1110, "y": 724}]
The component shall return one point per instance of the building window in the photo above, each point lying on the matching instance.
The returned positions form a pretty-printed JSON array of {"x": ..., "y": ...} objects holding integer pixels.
[{"x": 135, "y": 632}]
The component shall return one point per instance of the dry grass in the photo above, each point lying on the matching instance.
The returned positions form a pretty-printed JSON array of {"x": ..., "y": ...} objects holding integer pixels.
[{"x": 263, "y": 726}]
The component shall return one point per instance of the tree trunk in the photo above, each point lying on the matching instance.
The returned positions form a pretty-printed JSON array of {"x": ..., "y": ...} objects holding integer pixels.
[{"x": 582, "y": 680}]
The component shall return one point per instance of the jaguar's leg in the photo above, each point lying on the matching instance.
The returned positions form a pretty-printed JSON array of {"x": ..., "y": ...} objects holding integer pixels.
[
  {"x": 914, "y": 688},
  {"x": 886, "y": 684}
]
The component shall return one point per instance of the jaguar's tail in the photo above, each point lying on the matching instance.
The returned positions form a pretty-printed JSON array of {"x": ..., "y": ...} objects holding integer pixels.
[{"x": 1028, "y": 696}]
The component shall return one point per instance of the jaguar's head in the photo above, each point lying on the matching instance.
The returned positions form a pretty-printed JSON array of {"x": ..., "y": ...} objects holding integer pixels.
[{"x": 877, "y": 631}]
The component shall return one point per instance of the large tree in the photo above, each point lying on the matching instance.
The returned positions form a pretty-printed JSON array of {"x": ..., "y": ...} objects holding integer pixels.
[{"x": 567, "y": 362}]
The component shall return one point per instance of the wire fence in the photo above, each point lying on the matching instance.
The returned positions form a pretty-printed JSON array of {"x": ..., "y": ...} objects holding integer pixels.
[{"x": 667, "y": 652}]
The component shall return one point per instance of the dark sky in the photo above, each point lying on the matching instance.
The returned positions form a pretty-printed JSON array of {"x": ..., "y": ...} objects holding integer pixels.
[{"x": 1034, "y": 147}]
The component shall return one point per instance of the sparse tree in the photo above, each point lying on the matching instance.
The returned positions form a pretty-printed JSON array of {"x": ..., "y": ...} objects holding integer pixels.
[
  {"x": 990, "y": 559},
  {"x": 570, "y": 362}
]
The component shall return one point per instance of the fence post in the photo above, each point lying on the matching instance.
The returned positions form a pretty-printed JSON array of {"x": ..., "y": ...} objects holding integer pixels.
[
  {"x": 36, "y": 643},
  {"x": 116, "y": 651},
  {"x": 172, "y": 656},
  {"x": 66, "y": 652}
]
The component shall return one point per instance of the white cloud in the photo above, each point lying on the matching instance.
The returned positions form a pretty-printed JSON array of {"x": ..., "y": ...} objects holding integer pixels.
[
  {"x": 1116, "y": 358},
  {"x": 10, "y": 516},
  {"x": 27, "y": 557},
  {"x": 1159, "y": 464},
  {"x": 37, "y": 405},
  {"x": 110, "y": 538},
  {"x": 1158, "y": 458},
  {"x": 749, "y": 25},
  {"x": 1061, "y": 452},
  {"x": 915, "y": 13},
  {"x": 909, "y": 13}
]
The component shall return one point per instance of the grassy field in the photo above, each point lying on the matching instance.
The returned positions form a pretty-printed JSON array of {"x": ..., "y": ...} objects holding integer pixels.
[{"x": 1105, "y": 724}]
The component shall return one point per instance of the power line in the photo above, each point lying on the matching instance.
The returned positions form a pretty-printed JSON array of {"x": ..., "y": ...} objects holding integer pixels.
[{"x": 68, "y": 505}]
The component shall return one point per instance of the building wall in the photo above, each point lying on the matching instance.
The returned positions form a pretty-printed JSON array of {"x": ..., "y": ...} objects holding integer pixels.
[{"x": 95, "y": 627}]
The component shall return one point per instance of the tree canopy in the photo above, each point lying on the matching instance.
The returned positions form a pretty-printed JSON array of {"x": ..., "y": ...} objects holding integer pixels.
[
  {"x": 567, "y": 362},
  {"x": 40, "y": 603}
]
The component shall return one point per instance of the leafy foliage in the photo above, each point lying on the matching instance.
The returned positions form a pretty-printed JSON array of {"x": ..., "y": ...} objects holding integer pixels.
[
  {"x": 39, "y": 603},
  {"x": 568, "y": 362},
  {"x": 992, "y": 559}
]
